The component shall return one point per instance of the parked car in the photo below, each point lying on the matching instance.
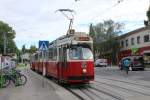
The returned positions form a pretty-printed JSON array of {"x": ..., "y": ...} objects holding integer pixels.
[
  {"x": 101, "y": 63},
  {"x": 137, "y": 62}
]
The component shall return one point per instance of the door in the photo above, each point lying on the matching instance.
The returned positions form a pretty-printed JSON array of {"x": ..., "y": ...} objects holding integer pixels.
[{"x": 62, "y": 63}]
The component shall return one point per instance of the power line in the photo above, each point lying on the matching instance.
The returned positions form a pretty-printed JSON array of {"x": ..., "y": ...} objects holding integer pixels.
[{"x": 107, "y": 9}]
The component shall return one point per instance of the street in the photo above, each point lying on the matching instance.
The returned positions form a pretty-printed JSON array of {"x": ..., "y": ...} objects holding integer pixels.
[
  {"x": 110, "y": 84},
  {"x": 114, "y": 72}
]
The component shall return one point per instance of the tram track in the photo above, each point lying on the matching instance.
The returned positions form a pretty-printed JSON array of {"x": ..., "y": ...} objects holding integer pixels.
[
  {"x": 76, "y": 94},
  {"x": 87, "y": 92},
  {"x": 125, "y": 88},
  {"x": 138, "y": 84},
  {"x": 92, "y": 93},
  {"x": 107, "y": 93}
]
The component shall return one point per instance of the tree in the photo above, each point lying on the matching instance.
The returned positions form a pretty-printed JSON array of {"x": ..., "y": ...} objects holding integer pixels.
[
  {"x": 105, "y": 39},
  {"x": 91, "y": 31},
  {"x": 32, "y": 49},
  {"x": 146, "y": 22},
  {"x": 23, "y": 49},
  {"x": 148, "y": 14},
  {"x": 11, "y": 46}
]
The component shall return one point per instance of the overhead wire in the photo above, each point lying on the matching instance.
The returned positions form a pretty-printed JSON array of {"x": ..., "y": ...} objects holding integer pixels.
[{"x": 107, "y": 9}]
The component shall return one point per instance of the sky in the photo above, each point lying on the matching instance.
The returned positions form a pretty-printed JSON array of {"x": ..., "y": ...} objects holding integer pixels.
[{"x": 35, "y": 20}]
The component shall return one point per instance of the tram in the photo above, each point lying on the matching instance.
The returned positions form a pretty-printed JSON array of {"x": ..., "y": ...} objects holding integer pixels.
[{"x": 69, "y": 59}]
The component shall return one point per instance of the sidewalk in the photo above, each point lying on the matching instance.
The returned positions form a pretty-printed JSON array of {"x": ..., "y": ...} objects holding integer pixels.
[{"x": 37, "y": 88}]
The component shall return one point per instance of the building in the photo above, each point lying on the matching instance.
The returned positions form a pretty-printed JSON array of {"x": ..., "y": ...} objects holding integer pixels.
[
  {"x": 25, "y": 57},
  {"x": 136, "y": 42}
]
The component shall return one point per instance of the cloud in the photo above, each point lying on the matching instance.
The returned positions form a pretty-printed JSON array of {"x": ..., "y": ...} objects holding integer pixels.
[{"x": 35, "y": 19}]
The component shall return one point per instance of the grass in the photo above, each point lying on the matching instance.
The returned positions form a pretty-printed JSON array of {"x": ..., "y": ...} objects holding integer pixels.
[{"x": 21, "y": 65}]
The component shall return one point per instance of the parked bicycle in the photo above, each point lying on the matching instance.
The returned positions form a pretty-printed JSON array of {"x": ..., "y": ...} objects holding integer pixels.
[
  {"x": 17, "y": 77},
  {"x": 4, "y": 80},
  {"x": 13, "y": 75}
]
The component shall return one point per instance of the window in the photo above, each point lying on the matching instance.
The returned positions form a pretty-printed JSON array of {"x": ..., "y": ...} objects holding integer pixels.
[
  {"x": 122, "y": 43},
  {"x": 138, "y": 40},
  {"x": 146, "y": 38},
  {"x": 127, "y": 43},
  {"x": 36, "y": 57},
  {"x": 87, "y": 54},
  {"x": 75, "y": 53},
  {"x": 51, "y": 53},
  {"x": 54, "y": 53},
  {"x": 80, "y": 53},
  {"x": 40, "y": 56},
  {"x": 132, "y": 41}
]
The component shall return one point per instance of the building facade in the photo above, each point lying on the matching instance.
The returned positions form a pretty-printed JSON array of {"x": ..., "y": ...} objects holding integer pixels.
[
  {"x": 136, "y": 42},
  {"x": 25, "y": 57}
]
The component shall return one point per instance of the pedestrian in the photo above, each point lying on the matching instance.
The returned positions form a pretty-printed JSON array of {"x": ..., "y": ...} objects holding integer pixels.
[{"x": 126, "y": 64}]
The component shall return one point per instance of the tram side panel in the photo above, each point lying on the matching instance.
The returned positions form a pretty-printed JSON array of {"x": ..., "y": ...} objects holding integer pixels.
[
  {"x": 32, "y": 65},
  {"x": 40, "y": 67},
  {"x": 51, "y": 69}
]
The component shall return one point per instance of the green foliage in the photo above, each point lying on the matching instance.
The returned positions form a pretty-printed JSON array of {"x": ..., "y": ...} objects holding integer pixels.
[
  {"x": 105, "y": 31},
  {"x": 105, "y": 39},
  {"x": 10, "y": 35},
  {"x": 146, "y": 22},
  {"x": 148, "y": 14},
  {"x": 32, "y": 49},
  {"x": 91, "y": 31},
  {"x": 23, "y": 49}
]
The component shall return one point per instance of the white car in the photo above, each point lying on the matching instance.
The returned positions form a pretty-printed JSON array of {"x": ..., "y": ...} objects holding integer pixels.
[{"x": 101, "y": 62}]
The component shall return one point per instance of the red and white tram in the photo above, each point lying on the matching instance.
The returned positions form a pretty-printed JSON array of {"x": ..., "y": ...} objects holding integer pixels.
[{"x": 69, "y": 59}]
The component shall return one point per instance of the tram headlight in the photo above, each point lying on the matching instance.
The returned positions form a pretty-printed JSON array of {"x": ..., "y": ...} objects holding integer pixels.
[{"x": 84, "y": 70}]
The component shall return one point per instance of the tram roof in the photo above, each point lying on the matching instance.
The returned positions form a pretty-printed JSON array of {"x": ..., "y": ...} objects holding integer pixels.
[{"x": 76, "y": 34}]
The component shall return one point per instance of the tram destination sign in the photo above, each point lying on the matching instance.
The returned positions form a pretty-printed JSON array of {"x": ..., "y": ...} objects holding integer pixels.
[{"x": 43, "y": 45}]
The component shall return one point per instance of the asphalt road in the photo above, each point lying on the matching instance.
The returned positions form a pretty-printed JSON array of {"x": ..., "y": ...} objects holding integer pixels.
[
  {"x": 110, "y": 84},
  {"x": 134, "y": 86},
  {"x": 114, "y": 72}
]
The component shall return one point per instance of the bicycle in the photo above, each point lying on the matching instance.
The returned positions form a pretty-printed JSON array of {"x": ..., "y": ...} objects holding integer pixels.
[
  {"x": 17, "y": 78},
  {"x": 4, "y": 80}
]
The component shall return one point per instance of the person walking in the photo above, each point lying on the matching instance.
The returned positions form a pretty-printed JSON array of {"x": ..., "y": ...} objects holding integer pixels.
[{"x": 126, "y": 64}]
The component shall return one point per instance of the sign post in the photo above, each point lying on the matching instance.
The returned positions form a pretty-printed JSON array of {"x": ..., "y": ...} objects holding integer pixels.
[{"x": 43, "y": 46}]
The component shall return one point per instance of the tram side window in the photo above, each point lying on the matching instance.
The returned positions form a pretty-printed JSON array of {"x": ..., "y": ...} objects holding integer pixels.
[
  {"x": 36, "y": 57},
  {"x": 40, "y": 56},
  {"x": 51, "y": 53},
  {"x": 64, "y": 54},
  {"x": 55, "y": 54}
]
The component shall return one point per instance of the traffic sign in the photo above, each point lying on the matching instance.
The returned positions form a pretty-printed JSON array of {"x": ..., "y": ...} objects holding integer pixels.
[{"x": 43, "y": 45}]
